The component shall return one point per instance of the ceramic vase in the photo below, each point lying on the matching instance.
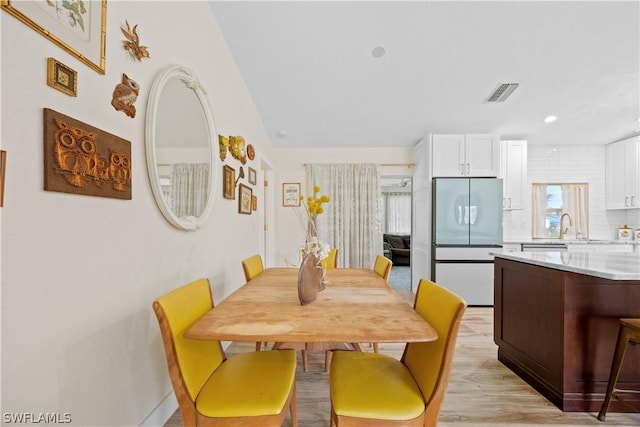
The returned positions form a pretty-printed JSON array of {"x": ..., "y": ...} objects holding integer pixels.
[{"x": 309, "y": 279}]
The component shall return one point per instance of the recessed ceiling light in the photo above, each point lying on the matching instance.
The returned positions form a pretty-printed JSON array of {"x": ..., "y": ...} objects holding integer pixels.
[
  {"x": 282, "y": 133},
  {"x": 378, "y": 52},
  {"x": 550, "y": 119}
]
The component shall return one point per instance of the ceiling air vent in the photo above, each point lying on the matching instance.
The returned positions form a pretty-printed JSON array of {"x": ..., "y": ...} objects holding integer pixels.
[{"x": 502, "y": 92}]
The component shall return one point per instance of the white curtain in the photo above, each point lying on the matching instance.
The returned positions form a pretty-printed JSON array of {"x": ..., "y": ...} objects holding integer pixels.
[
  {"x": 189, "y": 189},
  {"x": 397, "y": 213},
  {"x": 351, "y": 222},
  {"x": 575, "y": 202},
  {"x": 538, "y": 210}
]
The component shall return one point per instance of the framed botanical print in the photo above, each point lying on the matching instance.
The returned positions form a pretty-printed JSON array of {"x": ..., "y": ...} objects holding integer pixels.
[
  {"x": 77, "y": 26},
  {"x": 291, "y": 194},
  {"x": 252, "y": 176},
  {"x": 228, "y": 182},
  {"x": 245, "y": 194}
]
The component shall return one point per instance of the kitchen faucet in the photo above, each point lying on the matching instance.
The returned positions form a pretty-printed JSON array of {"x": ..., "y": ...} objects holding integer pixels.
[{"x": 563, "y": 231}]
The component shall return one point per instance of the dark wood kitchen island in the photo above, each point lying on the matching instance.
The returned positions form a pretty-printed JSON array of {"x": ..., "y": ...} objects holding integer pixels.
[{"x": 556, "y": 323}]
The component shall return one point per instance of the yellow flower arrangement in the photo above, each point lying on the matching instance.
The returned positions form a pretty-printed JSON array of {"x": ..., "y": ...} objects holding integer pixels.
[
  {"x": 313, "y": 208},
  {"x": 315, "y": 202}
]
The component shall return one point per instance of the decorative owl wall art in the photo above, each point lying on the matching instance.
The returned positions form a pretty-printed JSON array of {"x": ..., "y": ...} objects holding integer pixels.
[
  {"x": 81, "y": 159},
  {"x": 132, "y": 44},
  {"x": 124, "y": 95}
]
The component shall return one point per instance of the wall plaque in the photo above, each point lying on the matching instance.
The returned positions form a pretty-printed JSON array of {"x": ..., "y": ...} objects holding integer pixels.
[{"x": 82, "y": 159}]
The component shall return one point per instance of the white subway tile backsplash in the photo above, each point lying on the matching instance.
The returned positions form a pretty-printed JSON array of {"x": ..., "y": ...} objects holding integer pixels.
[{"x": 570, "y": 163}]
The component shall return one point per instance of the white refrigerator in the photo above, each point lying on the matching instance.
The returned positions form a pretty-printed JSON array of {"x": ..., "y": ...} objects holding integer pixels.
[{"x": 467, "y": 227}]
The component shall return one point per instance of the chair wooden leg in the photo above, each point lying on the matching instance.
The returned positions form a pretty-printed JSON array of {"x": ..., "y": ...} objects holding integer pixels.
[
  {"x": 304, "y": 360},
  {"x": 375, "y": 347},
  {"x": 293, "y": 407},
  {"x": 333, "y": 420},
  {"x": 327, "y": 358},
  {"x": 618, "y": 355},
  {"x": 258, "y": 346}
]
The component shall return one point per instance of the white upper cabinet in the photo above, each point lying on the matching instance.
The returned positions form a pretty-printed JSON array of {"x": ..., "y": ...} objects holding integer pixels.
[
  {"x": 466, "y": 155},
  {"x": 513, "y": 171},
  {"x": 622, "y": 176}
]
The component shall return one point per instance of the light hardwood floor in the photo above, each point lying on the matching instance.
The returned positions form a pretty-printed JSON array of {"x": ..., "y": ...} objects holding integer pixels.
[{"x": 482, "y": 391}]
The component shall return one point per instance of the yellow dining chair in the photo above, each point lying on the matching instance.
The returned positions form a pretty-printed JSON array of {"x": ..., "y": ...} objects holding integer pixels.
[
  {"x": 382, "y": 267},
  {"x": 331, "y": 261},
  {"x": 370, "y": 389},
  {"x": 249, "y": 389},
  {"x": 252, "y": 267}
]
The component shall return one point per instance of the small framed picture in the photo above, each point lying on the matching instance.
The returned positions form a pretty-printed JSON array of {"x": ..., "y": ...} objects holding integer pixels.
[
  {"x": 254, "y": 202},
  {"x": 252, "y": 176},
  {"x": 3, "y": 165},
  {"x": 245, "y": 194},
  {"x": 291, "y": 194},
  {"x": 228, "y": 182},
  {"x": 61, "y": 77}
]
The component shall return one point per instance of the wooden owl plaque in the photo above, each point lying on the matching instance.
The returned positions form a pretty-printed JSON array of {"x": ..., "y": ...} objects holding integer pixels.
[{"x": 81, "y": 159}]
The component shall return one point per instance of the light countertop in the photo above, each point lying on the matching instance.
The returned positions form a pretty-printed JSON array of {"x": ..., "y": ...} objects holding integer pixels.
[
  {"x": 572, "y": 242},
  {"x": 612, "y": 266}
]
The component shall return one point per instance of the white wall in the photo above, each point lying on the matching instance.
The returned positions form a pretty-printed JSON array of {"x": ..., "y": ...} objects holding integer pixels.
[
  {"x": 570, "y": 163},
  {"x": 79, "y": 273}
]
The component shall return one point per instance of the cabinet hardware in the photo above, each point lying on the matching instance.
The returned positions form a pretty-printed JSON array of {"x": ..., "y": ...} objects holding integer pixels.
[{"x": 626, "y": 201}]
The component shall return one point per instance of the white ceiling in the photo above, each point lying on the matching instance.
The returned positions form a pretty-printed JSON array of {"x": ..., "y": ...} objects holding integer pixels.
[{"x": 310, "y": 70}]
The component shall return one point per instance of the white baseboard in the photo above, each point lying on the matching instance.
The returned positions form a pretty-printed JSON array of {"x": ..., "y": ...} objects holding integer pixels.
[{"x": 161, "y": 414}]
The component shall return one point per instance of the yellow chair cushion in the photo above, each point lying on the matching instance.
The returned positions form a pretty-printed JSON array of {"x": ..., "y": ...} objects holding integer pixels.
[
  {"x": 249, "y": 384},
  {"x": 373, "y": 385}
]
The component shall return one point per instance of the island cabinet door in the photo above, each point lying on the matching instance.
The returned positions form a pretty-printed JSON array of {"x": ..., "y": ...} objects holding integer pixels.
[
  {"x": 528, "y": 323},
  {"x": 593, "y": 309}
]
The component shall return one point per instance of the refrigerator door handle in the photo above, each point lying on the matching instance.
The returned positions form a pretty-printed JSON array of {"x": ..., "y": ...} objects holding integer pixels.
[{"x": 468, "y": 169}]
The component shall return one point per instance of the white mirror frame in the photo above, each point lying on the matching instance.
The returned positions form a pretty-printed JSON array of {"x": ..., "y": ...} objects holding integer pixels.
[{"x": 190, "y": 223}]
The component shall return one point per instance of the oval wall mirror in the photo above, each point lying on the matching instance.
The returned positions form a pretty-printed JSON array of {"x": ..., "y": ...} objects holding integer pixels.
[{"x": 180, "y": 138}]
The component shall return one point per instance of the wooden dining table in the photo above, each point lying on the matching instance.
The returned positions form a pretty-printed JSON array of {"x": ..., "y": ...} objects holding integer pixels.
[{"x": 356, "y": 305}]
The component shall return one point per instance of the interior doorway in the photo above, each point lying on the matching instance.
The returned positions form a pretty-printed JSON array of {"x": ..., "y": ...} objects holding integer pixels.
[{"x": 396, "y": 195}]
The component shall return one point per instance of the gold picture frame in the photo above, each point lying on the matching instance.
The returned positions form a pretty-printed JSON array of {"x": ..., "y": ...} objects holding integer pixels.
[
  {"x": 291, "y": 194},
  {"x": 245, "y": 195},
  {"x": 3, "y": 166},
  {"x": 61, "y": 77},
  {"x": 252, "y": 176},
  {"x": 81, "y": 28},
  {"x": 228, "y": 182}
]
